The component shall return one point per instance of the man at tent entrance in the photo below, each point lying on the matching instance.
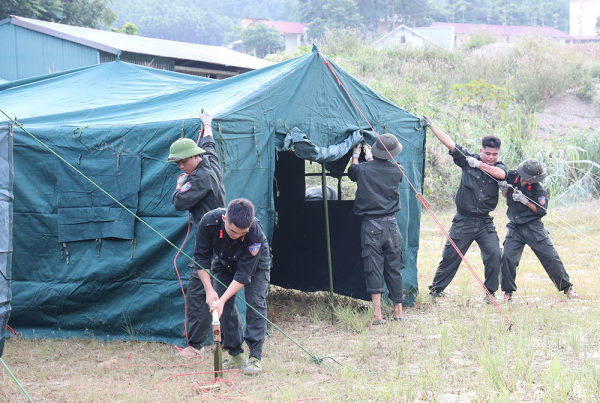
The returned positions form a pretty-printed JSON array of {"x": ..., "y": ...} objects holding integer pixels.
[
  {"x": 199, "y": 190},
  {"x": 377, "y": 202}
]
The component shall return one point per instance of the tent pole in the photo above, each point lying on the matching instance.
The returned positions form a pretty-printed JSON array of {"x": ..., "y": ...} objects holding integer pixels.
[{"x": 325, "y": 197}]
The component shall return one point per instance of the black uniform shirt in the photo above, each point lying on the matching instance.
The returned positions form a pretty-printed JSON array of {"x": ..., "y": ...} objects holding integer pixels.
[
  {"x": 518, "y": 212},
  {"x": 242, "y": 256},
  {"x": 204, "y": 189},
  {"x": 478, "y": 192},
  {"x": 377, "y": 193}
]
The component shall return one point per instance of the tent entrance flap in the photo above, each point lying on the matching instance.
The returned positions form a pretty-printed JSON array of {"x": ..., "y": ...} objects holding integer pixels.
[
  {"x": 6, "y": 197},
  {"x": 299, "y": 238}
]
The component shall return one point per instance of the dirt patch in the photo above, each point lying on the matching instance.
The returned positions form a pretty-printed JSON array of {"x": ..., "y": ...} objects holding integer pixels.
[{"x": 568, "y": 112}]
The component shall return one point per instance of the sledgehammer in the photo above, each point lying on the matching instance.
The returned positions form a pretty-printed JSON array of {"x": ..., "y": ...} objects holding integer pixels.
[{"x": 218, "y": 355}]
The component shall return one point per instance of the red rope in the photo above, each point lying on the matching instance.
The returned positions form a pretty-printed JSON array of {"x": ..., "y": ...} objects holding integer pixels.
[
  {"x": 179, "y": 278},
  {"x": 175, "y": 262},
  {"x": 10, "y": 329},
  {"x": 424, "y": 202}
]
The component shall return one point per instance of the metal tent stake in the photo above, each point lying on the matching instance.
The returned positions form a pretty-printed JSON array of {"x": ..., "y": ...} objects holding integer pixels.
[
  {"x": 324, "y": 191},
  {"x": 218, "y": 355}
]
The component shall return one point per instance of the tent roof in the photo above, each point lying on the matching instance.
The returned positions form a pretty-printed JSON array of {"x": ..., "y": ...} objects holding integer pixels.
[
  {"x": 112, "y": 42},
  {"x": 302, "y": 92}
]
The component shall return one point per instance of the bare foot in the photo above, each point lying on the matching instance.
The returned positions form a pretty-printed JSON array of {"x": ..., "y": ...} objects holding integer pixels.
[{"x": 191, "y": 352}]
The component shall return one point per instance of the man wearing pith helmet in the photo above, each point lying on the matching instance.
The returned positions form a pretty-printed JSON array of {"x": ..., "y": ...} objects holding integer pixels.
[
  {"x": 527, "y": 202},
  {"x": 199, "y": 190},
  {"x": 377, "y": 202}
]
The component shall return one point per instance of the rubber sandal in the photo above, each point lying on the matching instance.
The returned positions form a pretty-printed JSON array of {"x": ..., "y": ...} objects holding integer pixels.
[
  {"x": 397, "y": 319},
  {"x": 379, "y": 322}
]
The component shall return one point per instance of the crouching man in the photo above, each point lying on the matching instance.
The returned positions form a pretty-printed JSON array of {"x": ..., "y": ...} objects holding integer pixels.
[
  {"x": 241, "y": 260},
  {"x": 527, "y": 202},
  {"x": 377, "y": 202}
]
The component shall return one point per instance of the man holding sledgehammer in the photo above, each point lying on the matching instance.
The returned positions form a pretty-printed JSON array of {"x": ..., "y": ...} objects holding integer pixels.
[
  {"x": 199, "y": 190},
  {"x": 241, "y": 260}
]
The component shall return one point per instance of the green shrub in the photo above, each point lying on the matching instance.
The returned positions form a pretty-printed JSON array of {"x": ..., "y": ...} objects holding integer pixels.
[{"x": 478, "y": 40}]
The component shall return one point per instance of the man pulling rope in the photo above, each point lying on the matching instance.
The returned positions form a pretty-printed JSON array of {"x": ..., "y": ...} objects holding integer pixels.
[{"x": 476, "y": 197}]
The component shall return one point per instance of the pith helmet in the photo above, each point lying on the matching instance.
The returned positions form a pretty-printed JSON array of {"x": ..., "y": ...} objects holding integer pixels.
[
  {"x": 531, "y": 170},
  {"x": 182, "y": 149},
  {"x": 390, "y": 142}
]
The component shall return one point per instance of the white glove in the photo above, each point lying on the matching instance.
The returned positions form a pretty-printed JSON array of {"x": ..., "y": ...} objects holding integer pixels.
[
  {"x": 356, "y": 152},
  {"x": 368, "y": 153},
  {"x": 473, "y": 162},
  {"x": 181, "y": 179},
  {"x": 206, "y": 118},
  {"x": 520, "y": 197},
  {"x": 503, "y": 185},
  {"x": 428, "y": 121}
]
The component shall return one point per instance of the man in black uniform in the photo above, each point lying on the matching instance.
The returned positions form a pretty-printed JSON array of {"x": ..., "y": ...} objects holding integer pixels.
[
  {"x": 527, "y": 202},
  {"x": 477, "y": 196},
  {"x": 199, "y": 190},
  {"x": 377, "y": 202},
  {"x": 241, "y": 260}
]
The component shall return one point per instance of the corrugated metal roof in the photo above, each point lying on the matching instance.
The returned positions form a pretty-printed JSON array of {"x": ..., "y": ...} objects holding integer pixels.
[
  {"x": 113, "y": 42},
  {"x": 503, "y": 30},
  {"x": 286, "y": 27}
]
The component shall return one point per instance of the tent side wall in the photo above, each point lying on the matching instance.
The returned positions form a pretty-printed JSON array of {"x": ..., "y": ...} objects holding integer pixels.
[
  {"x": 6, "y": 197},
  {"x": 116, "y": 285},
  {"x": 108, "y": 286}
]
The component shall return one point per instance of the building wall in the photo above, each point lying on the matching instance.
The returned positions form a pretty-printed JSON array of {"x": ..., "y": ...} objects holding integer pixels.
[
  {"x": 443, "y": 36},
  {"x": 583, "y": 17},
  {"x": 400, "y": 37},
  {"x": 161, "y": 63},
  {"x": 292, "y": 41},
  {"x": 25, "y": 53}
]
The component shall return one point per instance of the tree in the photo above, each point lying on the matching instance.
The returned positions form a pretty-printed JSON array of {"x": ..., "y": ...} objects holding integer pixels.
[
  {"x": 128, "y": 28},
  {"x": 597, "y": 26},
  {"x": 81, "y": 13},
  {"x": 262, "y": 39},
  {"x": 341, "y": 14}
]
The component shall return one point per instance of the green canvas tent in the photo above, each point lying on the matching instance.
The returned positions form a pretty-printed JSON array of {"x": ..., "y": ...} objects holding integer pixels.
[{"x": 83, "y": 265}]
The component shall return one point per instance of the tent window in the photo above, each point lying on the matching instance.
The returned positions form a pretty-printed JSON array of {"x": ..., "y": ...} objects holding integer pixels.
[
  {"x": 340, "y": 188},
  {"x": 84, "y": 212}
]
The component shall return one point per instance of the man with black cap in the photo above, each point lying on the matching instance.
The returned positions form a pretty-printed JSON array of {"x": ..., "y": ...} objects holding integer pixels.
[
  {"x": 377, "y": 202},
  {"x": 527, "y": 202},
  {"x": 199, "y": 189},
  {"x": 476, "y": 197}
]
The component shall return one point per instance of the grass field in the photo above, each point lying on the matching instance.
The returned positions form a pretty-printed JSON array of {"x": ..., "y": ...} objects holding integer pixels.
[{"x": 455, "y": 350}]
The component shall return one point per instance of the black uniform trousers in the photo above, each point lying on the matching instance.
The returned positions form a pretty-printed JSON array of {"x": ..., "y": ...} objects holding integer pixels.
[
  {"x": 255, "y": 294},
  {"x": 382, "y": 257},
  {"x": 465, "y": 230},
  {"x": 535, "y": 235},
  {"x": 199, "y": 319}
]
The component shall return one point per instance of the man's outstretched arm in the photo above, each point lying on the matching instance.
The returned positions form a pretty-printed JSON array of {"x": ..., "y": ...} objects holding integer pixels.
[{"x": 441, "y": 136}]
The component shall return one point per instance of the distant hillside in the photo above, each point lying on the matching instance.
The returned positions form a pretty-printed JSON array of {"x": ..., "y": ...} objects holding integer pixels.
[{"x": 213, "y": 22}]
